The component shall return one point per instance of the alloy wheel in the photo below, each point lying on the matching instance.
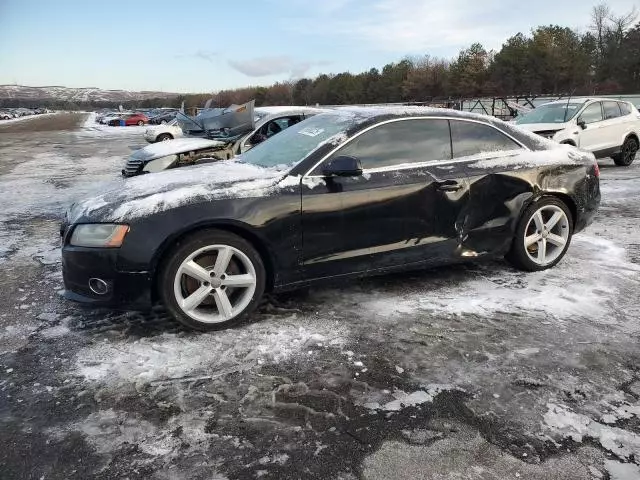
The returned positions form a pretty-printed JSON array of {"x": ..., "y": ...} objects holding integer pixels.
[
  {"x": 546, "y": 234},
  {"x": 629, "y": 150},
  {"x": 215, "y": 284}
]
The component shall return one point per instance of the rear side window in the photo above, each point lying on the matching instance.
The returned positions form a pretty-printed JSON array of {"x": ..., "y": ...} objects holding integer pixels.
[
  {"x": 470, "y": 138},
  {"x": 592, "y": 114},
  {"x": 611, "y": 110},
  {"x": 405, "y": 141},
  {"x": 625, "y": 108}
]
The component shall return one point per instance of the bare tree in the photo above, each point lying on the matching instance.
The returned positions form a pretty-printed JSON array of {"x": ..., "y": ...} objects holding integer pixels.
[
  {"x": 599, "y": 24},
  {"x": 621, "y": 23}
]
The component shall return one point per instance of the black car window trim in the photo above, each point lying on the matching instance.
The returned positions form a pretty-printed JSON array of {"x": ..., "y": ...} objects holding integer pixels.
[{"x": 407, "y": 166}]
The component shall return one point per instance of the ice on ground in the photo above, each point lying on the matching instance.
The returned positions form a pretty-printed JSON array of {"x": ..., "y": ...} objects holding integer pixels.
[
  {"x": 560, "y": 420},
  {"x": 579, "y": 285},
  {"x": 171, "y": 357},
  {"x": 622, "y": 471},
  {"x": 398, "y": 399}
]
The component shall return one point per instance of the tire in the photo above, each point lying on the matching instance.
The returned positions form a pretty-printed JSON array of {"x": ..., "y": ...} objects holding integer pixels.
[
  {"x": 140, "y": 123},
  {"x": 554, "y": 240},
  {"x": 216, "y": 304},
  {"x": 163, "y": 137},
  {"x": 627, "y": 154},
  {"x": 163, "y": 122}
]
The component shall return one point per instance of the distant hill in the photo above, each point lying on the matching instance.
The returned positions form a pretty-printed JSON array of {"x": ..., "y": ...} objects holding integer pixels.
[{"x": 68, "y": 94}]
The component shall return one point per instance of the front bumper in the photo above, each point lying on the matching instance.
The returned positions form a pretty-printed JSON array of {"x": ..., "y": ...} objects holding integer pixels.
[{"x": 127, "y": 290}]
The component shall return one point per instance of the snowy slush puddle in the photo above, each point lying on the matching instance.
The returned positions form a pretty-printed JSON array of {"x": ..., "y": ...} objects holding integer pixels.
[{"x": 522, "y": 375}]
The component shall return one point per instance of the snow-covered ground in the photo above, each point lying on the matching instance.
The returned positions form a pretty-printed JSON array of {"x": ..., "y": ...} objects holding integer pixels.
[{"x": 465, "y": 372}]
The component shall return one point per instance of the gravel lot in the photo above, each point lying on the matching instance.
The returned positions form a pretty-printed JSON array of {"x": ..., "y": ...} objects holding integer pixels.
[{"x": 468, "y": 372}]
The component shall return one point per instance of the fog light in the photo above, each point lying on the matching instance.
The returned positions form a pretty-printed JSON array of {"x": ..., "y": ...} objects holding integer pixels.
[{"x": 98, "y": 286}]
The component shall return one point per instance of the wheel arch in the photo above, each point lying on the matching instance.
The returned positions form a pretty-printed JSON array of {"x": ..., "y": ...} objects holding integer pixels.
[
  {"x": 564, "y": 198},
  {"x": 242, "y": 230},
  {"x": 633, "y": 135},
  {"x": 568, "y": 142}
]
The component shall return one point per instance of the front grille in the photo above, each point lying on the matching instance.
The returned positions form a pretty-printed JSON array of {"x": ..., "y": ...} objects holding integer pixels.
[{"x": 132, "y": 167}]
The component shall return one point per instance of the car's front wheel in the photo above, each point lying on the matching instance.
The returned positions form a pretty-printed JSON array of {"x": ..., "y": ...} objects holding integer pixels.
[
  {"x": 542, "y": 236},
  {"x": 627, "y": 153},
  {"x": 211, "y": 280},
  {"x": 163, "y": 137},
  {"x": 140, "y": 123}
]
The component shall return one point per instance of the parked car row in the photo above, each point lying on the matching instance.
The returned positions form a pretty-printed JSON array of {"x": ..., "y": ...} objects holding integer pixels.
[
  {"x": 122, "y": 119},
  {"x": 10, "y": 113}
]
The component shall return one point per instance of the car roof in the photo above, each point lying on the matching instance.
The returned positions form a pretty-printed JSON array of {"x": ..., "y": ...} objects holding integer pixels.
[{"x": 285, "y": 110}]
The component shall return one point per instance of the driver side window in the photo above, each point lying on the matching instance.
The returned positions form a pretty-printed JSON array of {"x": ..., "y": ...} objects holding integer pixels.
[{"x": 592, "y": 114}]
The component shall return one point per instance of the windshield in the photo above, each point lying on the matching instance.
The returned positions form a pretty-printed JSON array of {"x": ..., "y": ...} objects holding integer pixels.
[
  {"x": 291, "y": 146},
  {"x": 551, "y": 113}
]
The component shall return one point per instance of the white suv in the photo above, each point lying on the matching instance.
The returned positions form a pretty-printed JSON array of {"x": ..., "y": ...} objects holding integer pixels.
[
  {"x": 608, "y": 128},
  {"x": 163, "y": 132}
]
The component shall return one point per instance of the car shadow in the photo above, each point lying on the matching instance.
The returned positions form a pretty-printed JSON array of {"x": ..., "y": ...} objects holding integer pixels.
[{"x": 303, "y": 301}]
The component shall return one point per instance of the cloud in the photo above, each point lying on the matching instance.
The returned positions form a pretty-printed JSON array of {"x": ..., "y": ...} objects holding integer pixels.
[
  {"x": 276, "y": 65},
  {"x": 424, "y": 26},
  {"x": 206, "y": 55}
]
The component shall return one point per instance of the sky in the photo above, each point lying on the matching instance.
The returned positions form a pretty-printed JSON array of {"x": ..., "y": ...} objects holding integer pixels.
[{"x": 206, "y": 46}]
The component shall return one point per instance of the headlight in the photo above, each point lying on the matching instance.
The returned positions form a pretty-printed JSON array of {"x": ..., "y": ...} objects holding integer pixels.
[{"x": 99, "y": 235}]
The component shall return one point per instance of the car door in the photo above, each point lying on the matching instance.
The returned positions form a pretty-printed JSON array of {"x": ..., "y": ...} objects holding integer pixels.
[
  {"x": 592, "y": 138},
  {"x": 612, "y": 127},
  {"x": 402, "y": 210},
  {"x": 484, "y": 151}
]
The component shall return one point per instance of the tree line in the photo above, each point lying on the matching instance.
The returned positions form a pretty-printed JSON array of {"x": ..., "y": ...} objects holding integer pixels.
[{"x": 604, "y": 59}]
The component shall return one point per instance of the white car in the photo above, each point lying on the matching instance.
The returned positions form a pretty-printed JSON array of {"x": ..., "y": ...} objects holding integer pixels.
[
  {"x": 163, "y": 132},
  {"x": 605, "y": 127}
]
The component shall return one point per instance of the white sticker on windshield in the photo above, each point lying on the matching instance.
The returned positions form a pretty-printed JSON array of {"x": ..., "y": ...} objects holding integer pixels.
[{"x": 311, "y": 132}]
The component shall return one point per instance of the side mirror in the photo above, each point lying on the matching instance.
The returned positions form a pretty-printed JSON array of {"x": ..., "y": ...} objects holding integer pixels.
[
  {"x": 582, "y": 124},
  {"x": 343, "y": 166}
]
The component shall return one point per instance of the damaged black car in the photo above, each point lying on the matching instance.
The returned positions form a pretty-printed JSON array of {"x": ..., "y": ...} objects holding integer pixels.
[{"x": 354, "y": 192}]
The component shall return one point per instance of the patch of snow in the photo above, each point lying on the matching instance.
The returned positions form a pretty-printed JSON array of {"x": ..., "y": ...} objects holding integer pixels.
[
  {"x": 399, "y": 399},
  {"x": 622, "y": 471},
  {"x": 579, "y": 285},
  {"x": 516, "y": 159},
  {"x": 171, "y": 357},
  {"x": 560, "y": 420}
]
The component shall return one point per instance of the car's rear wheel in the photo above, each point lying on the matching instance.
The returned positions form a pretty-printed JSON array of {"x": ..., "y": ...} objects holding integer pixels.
[
  {"x": 140, "y": 123},
  {"x": 163, "y": 137},
  {"x": 542, "y": 236},
  {"x": 163, "y": 122},
  {"x": 211, "y": 280},
  {"x": 627, "y": 153}
]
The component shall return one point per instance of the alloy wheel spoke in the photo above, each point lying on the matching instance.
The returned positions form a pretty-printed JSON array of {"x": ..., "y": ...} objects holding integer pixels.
[
  {"x": 244, "y": 280},
  {"x": 196, "y": 298},
  {"x": 222, "y": 261},
  {"x": 222, "y": 303},
  {"x": 539, "y": 221},
  {"x": 542, "y": 250},
  {"x": 531, "y": 239},
  {"x": 553, "y": 221},
  {"x": 556, "y": 240},
  {"x": 194, "y": 270}
]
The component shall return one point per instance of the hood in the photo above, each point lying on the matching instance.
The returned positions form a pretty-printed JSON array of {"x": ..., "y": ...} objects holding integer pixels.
[
  {"x": 174, "y": 147},
  {"x": 137, "y": 197},
  {"x": 542, "y": 127}
]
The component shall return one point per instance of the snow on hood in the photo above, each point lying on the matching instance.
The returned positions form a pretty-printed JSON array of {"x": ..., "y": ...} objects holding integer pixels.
[
  {"x": 147, "y": 194},
  {"x": 174, "y": 147}
]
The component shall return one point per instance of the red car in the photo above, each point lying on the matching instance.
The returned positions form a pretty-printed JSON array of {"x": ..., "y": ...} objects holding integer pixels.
[{"x": 130, "y": 119}]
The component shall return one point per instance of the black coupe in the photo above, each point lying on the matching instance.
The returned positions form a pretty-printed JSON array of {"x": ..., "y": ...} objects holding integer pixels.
[{"x": 358, "y": 191}]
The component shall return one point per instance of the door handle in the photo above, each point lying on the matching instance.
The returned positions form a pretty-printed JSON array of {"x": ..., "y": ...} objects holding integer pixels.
[{"x": 448, "y": 186}]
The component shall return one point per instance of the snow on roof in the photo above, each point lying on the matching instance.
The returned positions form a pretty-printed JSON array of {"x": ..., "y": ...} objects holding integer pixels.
[{"x": 286, "y": 109}]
